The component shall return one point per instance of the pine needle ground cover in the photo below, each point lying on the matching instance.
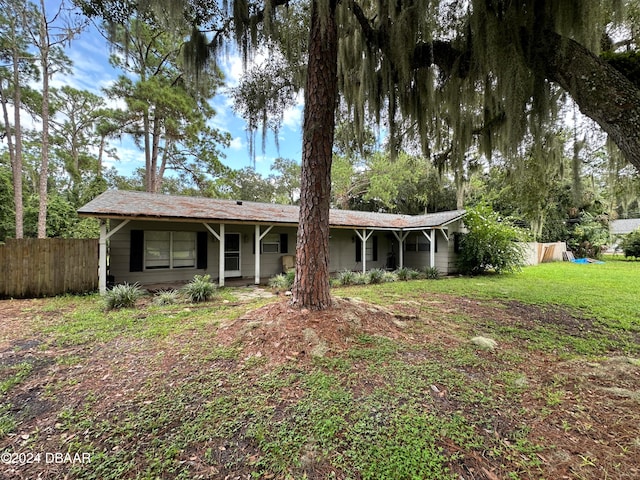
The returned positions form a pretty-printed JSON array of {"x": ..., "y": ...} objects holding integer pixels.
[{"x": 388, "y": 384}]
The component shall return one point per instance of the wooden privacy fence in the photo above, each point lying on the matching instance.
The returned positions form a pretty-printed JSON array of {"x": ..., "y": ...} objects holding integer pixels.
[{"x": 45, "y": 267}]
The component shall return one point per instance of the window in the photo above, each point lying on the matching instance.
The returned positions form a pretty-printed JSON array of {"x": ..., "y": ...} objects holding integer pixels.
[
  {"x": 420, "y": 243},
  {"x": 371, "y": 250},
  {"x": 169, "y": 250},
  {"x": 271, "y": 243},
  {"x": 423, "y": 243}
]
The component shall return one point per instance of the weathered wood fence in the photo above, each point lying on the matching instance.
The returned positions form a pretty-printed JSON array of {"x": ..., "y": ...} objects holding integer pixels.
[{"x": 33, "y": 267}]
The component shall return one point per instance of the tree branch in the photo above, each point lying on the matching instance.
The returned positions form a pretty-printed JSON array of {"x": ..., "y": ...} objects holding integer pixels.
[{"x": 601, "y": 92}]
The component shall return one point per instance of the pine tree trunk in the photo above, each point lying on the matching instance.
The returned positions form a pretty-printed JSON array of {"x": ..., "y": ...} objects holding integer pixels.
[
  {"x": 44, "y": 164},
  {"x": 16, "y": 164},
  {"x": 15, "y": 159},
  {"x": 311, "y": 289}
]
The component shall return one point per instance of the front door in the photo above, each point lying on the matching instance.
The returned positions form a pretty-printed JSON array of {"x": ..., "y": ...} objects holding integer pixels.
[{"x": 232, "y": 255}]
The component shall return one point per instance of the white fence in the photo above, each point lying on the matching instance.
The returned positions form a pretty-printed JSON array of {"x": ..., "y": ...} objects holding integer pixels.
[{"x": 535, "y": 253}]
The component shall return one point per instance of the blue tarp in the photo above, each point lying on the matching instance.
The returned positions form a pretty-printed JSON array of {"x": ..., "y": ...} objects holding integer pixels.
[{"x": 586, "y": 260}]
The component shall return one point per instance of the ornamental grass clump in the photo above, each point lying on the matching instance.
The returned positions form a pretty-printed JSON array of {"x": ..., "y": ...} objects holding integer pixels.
[
  {"x": 279, "y": 282},
  {"x": 376, "y": 275},
  {"x": 166, "y": 297},
  {"x": 347, "y": 277},
  {"x": 123, "y": 295},
  {"x": 405, "y": 274},
  {"x": 431, "y": 273},
  {"x": 200, "y": 289}
]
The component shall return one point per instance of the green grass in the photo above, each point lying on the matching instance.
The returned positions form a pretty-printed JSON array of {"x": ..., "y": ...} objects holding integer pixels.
[
  {"x": 608, "y": 292},
  {"x": 384, "y": 408},
  {"x": 88, "y": 322}
]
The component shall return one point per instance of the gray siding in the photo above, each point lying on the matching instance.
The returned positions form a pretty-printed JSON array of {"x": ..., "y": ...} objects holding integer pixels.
[
  {"x": 119, "y": 254},
  {"x": 342, "y": 251}
]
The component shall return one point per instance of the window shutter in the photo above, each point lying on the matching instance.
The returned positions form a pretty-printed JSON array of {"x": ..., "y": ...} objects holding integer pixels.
[
  {"x": 284, "y": 243},
  {"x": 435, "y": 236},
  {"x": 375, "y": 248},
  {"x": 457, "y": 242},
  {"x": 358, "y": 250},
  {"x": 136, "y": 251},
  {"x": 201, "y": 250}
]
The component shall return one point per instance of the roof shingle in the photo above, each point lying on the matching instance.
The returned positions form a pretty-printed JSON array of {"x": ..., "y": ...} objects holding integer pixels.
[{"x": 143, "y": 205}]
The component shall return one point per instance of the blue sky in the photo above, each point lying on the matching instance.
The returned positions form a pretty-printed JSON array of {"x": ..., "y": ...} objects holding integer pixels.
[{"x": 91, "y": 71}]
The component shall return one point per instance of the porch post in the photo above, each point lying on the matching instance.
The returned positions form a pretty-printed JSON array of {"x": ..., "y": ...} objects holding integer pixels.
[
  {"x": 257, "y": 256},
  {"x": 102, "y": 258},
  {"x": 364, "y": 237},
  {"x": 432, "y": 248},
  {"x": 402, "y": 236},
  {"x": 102, "y": 252},
  {"x": 259, "y": 236},
  {"x": 221, "y": 257}
]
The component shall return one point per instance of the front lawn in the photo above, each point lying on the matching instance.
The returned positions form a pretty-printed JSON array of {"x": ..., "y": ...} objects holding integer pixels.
[{"x": 387, "y": 385}]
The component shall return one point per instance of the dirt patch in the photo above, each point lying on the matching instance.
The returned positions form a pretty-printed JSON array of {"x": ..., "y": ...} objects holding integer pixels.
[
  {"x": 584, "y": 411},
  {"x": 281, "y": 333}
]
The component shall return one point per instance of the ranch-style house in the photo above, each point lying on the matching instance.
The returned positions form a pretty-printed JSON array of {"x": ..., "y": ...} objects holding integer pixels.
[{"x": 152, "y": 238}]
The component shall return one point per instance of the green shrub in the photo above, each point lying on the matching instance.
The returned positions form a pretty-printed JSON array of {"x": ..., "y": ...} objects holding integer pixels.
[
  {"x": 281, "y": 282},
  {"x": 122, "y": 296},
  {"x": 376, "y": 275},
  {"x": 200, "y": 289},
  {"x": 291, "y": 277},
  {"x": 588, "y": 236},
  {"x": 347, "y": 277},
  {"x": 490, "y": 244},
  {"x": 360, "y": 278},
  {"x": 405, "y": 274},
  {"x": 631, "y": 245},
  {"x": 389, "y": 277},
  {"x": 166, "y": 297},
  {"x": 432, "y": 273}
]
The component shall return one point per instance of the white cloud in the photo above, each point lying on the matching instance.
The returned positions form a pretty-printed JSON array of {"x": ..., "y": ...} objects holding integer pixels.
[
  {"x": 129, "y": 157},
  {"x": 237, "y": 144},
  {"x": 292, "y": 117}
]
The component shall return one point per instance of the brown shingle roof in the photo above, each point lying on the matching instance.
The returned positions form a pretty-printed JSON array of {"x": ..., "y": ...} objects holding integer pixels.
[{"x": 142, "y": 205}]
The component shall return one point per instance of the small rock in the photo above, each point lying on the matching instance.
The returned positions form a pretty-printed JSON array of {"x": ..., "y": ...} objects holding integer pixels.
[
  {"x": 288, "y": 293},
  {"x": 485, "y": 343}
]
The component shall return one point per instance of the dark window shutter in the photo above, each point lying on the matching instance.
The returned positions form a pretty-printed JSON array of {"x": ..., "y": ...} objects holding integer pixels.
[
  {"x": 284, "y": 243},
  {"x": 457, "y": 242},
  {"x": 201, "y": 250},
  {"x": 253, "y": 244},
  {"x": 435, "y": 236},
  {"x": 375, "y": 248},
  {"x": 358, "y": 250},
  {"x": 136, "y": 251}
]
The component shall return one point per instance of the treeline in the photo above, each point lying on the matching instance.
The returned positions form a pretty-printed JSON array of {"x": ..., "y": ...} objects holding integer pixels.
[{"x": 57, "y": 144}]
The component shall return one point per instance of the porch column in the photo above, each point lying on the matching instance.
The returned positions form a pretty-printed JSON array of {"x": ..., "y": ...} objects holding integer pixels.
[
  {"x": 102, "y": 258},
  {"x": 259, "y": 236},
  {"x": 221, "y": 257},
  {"x": 401, "y": 237},
  {"x": 432, "y": 249},
  {"x": 220, "y": 238},
  {"x": 432, "y": 246},
  {"x": 364, "y": 237},
  {"x": 102, "y": 252}
]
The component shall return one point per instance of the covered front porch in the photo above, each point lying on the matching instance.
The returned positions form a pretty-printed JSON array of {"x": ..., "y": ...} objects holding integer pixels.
[{"x": 150, "y": 238}]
